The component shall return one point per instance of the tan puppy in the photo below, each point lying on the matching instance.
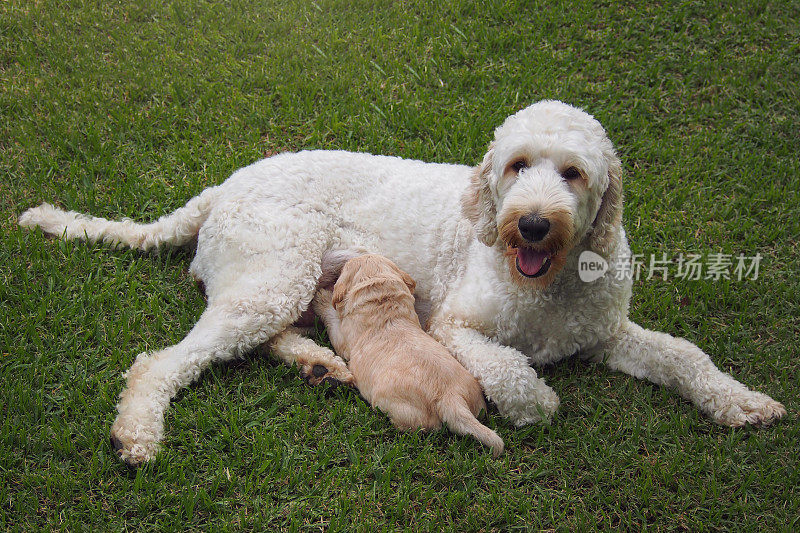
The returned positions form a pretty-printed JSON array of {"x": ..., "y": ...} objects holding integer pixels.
[{"x": 397, "y": 367}]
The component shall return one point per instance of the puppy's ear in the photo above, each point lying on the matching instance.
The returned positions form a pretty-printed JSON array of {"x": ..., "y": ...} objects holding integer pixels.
[
  {"x": 409, "y": 281},
  {"x": 342, "y": 284},
  {"x": 609, "y": 216},
  {"x": 339, "y": 291},
  {"x": 338, "y": 295},
  {"x": 477, "y": 203}
]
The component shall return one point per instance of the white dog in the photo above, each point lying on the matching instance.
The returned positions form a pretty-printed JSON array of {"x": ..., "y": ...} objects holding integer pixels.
[{"x": 493, "y": 249}]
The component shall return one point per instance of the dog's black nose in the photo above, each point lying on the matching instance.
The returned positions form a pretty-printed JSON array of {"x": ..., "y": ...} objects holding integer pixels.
[{"x": 533, "y": 228}]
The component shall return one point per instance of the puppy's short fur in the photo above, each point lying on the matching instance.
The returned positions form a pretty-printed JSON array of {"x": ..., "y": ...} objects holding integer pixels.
[{"x": 396, "y": 366}]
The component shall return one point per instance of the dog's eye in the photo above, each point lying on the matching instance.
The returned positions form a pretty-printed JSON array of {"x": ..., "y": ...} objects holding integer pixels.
[
  {"x": 519, "y": 166},
  {"x": 571, "y": 173}
]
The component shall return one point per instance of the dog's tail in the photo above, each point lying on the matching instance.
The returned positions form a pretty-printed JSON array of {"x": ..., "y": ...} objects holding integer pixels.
[
  {"x": 176, "y": 228},
  {"x": 454, "y": 411}
]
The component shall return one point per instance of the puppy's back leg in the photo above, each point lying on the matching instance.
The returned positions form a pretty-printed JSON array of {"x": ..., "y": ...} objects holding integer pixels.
[{"x": 405, "y": 415}]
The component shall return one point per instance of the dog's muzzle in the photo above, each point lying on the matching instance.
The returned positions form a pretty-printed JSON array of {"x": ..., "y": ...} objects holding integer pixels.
[{"x": 530, "y": 262}]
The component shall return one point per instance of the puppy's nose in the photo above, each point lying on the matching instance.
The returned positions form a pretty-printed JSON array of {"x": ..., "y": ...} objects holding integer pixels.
[{"x": 533, "y": 228}]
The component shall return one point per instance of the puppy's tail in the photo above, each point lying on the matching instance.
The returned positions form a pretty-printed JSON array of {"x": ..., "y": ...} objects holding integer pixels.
[
  {"x": 176, "y": 228},
  {"x": 454, "y": 411}
]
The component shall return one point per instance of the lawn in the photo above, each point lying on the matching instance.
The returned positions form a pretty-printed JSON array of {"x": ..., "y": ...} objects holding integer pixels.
[{"x": 131, "y": 108}]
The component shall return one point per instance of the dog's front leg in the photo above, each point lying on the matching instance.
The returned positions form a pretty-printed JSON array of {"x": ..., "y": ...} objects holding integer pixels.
[
  {"x": 503, "y": 372},
  {"x": 679, "y": 364}
]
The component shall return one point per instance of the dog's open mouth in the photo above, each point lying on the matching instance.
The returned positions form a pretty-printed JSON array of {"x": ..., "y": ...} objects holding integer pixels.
[{"x": 532, "y": 263}]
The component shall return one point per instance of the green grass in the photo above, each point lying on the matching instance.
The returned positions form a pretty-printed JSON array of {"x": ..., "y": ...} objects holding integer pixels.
[{"x": 129, "y": 109}]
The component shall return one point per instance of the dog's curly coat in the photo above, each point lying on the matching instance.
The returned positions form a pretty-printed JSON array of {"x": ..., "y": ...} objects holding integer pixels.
[{"x": 493, "y": 249}]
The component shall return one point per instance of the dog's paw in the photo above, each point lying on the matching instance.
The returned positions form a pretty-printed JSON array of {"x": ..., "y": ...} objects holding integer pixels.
[
  {"x": 538, "y": 405},
  {"x": 133, "y": 447},
  {"x": 747, "y": 407}
]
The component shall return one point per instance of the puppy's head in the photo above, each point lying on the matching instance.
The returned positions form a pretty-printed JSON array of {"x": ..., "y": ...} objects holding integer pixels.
[
  {"x": 372, "y": 280},
  {"x": 550, "y": 180}
]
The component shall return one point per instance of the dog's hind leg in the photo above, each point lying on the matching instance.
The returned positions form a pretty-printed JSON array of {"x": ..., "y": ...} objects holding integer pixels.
[
  {"x": 315, "y": 363},
  {"x": 221, "y": 334},
  {"x": 255, "y": 309}
]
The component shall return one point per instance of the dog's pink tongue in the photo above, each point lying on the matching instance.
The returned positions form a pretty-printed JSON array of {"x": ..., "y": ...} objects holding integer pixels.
[{"x": 530, "y": 261}]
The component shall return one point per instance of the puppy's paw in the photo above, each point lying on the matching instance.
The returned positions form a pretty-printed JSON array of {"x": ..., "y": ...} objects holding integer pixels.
[
  {"x": 322, "y": 301},
  {"x": 746, "y": 407}
]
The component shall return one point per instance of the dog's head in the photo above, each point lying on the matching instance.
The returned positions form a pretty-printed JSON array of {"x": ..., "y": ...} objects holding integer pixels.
[
  {"x": 550, "y": 180},
  {"x": 372, "y": 280}
]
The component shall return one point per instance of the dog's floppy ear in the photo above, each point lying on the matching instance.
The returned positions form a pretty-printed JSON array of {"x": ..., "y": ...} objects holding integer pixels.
[
  {"x": 477, "y": 203},
  {"x": 609, "y": 216}
]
